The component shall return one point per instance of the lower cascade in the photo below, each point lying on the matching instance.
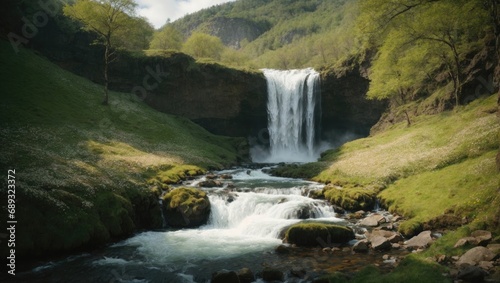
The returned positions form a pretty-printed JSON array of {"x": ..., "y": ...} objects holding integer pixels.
[{"x": 294, "y": 115}]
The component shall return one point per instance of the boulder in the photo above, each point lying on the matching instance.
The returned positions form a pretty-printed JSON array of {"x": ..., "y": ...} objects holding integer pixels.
[
  {"x": 373, "y": 220},
  {"x": 441, "y": 258},
  {"x": 396, "y": 238},
  {"x": 476, "y": 255},
  {"x": 305, "y": 212},
  {"x": 466, "y": 241},
  {"x": 246, "y": 275},
  {"x": 422, "y": 240},
  {"x": 396, "y": 218},
  {"x": 226, "y": 177},
  {"x": 299, "y": 273},
  {"x": 382, "y": 233},
  {"x": 358, "y": 214},
  {"x": 486, "y": 265},
  {"x": 380, "y": 243},
  {"x": 391, "y": 236},
  {"x": 210, "y": 184},
  {"x": 282, "y": 249},
  {"x": 225, "y": 276},
  {"x": 483, "y": 237},
  {"x": 471, "y": 273},
  {"x": 272, "y": 274},
  {"x": 186, "y": 207},
  {"x": 360, "y": 247},
  {"x": 317, "y": 234},
  {"x": 494, "y": 248}
]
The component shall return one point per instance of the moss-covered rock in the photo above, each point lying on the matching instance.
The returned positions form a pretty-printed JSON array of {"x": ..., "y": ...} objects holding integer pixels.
[
  {"x": 315, "y": 234},
  {"x": 186, "y": 207},
  {"x": 351, "y": 199}
]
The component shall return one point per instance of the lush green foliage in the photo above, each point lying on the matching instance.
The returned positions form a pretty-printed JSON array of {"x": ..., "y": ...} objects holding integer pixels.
[
  {"x": 114, "y": 24},
  {"x": 295, "y": 33},
  {"x": 419, "y": 41},
  {"x": 167, "y": 38},
  {"x": 112, "y": 20},
  {"x": 200, "y": 45}
]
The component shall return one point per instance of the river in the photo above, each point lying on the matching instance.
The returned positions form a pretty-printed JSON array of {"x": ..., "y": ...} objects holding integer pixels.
[{"x": 243, "y": 231}]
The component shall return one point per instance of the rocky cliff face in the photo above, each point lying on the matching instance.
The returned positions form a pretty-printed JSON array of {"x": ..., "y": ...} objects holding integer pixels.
[
  {"x": 344, "y": 104},
  {"x": 232, "y": 31},
  {"x": 232, "y": 102},
  {"x": 223, "y": 100}
]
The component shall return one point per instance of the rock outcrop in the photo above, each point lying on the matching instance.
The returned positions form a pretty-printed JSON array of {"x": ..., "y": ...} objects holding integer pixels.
[
  {"x": 317, "y": 234},
  {"x": 345, "y": 108},
  {"x": 223, "y": 100},
  {"x": 232, "y": 31},
  {"x": 186, "y": 207}
]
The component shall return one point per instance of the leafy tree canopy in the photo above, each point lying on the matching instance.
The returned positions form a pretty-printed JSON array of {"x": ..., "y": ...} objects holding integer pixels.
[{"x": 202, "y": 45}]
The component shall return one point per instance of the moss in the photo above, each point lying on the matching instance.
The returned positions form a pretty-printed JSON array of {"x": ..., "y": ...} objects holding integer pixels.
[
  {"x": 186, "y": 207},
  {"x": 317, "y": 234},
  {"x": 351, "y": 198},
  {"x": 176, "y": 174}
]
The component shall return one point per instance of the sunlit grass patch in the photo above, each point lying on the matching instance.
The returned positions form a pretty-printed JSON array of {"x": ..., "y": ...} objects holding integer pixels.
[
  {"x": 432, "y": 142},
  {"x": 466, "y": 188}
]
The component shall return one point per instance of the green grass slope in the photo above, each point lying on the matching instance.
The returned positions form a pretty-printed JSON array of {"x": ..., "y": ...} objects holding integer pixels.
[
  {"x": 440, "y": 174},
  {"x": 86, "y": 173},
  {"x": 442, "y": 164}
]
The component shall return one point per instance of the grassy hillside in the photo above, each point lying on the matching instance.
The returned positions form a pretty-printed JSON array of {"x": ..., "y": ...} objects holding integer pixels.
[
  {"x": 442, "y": 164},
  {"x": 295, "y": 33},
  {"x": 86, "y": 173}
]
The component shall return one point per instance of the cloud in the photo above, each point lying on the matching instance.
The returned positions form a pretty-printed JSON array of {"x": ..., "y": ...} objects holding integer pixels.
[{"x": 158, "y": 11}]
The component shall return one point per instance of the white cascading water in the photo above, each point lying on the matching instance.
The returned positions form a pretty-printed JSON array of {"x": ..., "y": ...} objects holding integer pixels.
[
  {"x": 245, "y": 225},
  {"x": 294, "y": 108},
  {"x": 239, "y": 223}
]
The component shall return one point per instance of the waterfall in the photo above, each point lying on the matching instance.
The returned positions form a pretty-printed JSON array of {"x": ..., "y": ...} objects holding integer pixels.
[
  {"x": 294, "y": 112},
  {"x": 264, "y": 215}
]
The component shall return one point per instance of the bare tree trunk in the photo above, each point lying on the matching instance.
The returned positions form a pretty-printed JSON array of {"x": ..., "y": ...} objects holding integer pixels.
[
  {"x": 403, "y": 102},
  {"x": 408, "y": 121},
  {"x": 458, "y": 80},
  {"x": 107, "y": 54}
]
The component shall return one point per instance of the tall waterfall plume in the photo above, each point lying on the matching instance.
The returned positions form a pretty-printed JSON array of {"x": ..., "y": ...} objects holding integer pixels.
[{"x": 294, "y": 114}]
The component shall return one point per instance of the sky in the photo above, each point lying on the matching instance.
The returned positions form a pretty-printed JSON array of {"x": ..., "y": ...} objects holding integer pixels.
[{"x": 158, "y": 11}]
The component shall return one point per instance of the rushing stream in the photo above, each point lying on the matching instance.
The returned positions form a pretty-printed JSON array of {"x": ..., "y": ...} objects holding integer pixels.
[{"x": 243, "y": 231}]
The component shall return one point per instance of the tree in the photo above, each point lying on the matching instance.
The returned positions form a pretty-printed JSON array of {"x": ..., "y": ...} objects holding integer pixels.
[
  {"x": 109, "y": 19},
  {"x": 167, "y": 38},
  {"x": 431, "y": 35},
  {"x": 137, "y": 36},
  {"x": 201, "y": 45}
]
